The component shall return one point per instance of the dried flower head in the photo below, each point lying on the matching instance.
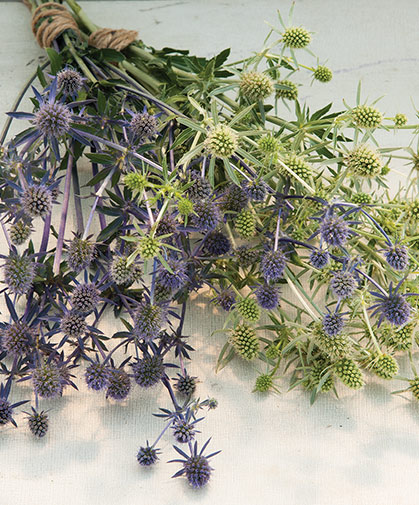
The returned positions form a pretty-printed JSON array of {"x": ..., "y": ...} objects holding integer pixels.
[
  {"x": 148, "y": 320},
  {"x": 323, "y": 74},
  {"x": 52, "y": 119},
  {"x": 80, "y": 254},
  {"x": 144, "y": 126},
  {"x": 245, "y": 224},
  {"x": 366, "y": 116},
  {"x": 19, "y": 273},
  {"x": 148, "y": 371},
  {"x": 256, "y": 86},
  {"x": 245, "y": 342},
  {"x": 287, "y": 90},
  {"x": 221, "y": 141},
  {"x": 69, "y": 81},
  {"x": 364, "y": 161},
  {"x": 19, "y": 232},
  {"x": 97, "y": 376},
  {"x": 38, "y": 423}
]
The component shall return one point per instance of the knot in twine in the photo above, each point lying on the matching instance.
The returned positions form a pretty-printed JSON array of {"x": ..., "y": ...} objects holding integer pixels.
[
  {"x": 108, "y": 38},
  {"x": 49, "y": 20}
]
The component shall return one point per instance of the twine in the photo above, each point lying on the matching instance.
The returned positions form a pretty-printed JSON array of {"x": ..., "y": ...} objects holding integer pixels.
[
  {"x": 50, "y": 20},
  {"x": 108, "y": 38}
]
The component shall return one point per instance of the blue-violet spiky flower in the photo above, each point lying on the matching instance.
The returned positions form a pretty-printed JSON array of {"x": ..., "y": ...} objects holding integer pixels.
[
  {"x": 334, "y": 230},
  {"x": 343, "y": 284},
  {"x": 397, "y": 257},
  {"x": 119, "y": 384},
  {"x": 174, "y": 279},
  {"x": 207, "y": 215},
  {"x": 148, "y": 320},
  {"x": 47, "y": 380},
  {"x": 36, "y": 200},
  {"x": 85, "y": 297},
  {"x": 19, "y": 273},
  {"x": 267, "y": 296},
  {"x": 97, "y": 376},
  {"x": 147, "y": 456},
  {"x": 333, "y": 324},
  {"x": 319, "y": 258},
  {"x": 217, "y": 244},
  {"x": 148, "y": 371},
  {"x": 272, "y": 265},
  {"x": 52, "y": 119}
]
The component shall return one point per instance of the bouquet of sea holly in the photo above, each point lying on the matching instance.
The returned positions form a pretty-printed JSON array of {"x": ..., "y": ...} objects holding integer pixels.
[{"x": 205, "y": 175}]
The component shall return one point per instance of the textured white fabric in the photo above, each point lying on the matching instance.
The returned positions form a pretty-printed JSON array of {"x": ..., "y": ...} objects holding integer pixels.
[{"x": 362, "y": 448}]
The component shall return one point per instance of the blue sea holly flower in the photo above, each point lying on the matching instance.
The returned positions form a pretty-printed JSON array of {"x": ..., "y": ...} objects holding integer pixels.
[
  {"x": 174, "y": 279},
  {"x": 343, "y": 284},
  {"x": 147, "y": 455},
  {"x": 333, "y": 324},
  {"x": 70, "y": 82},
  {"x": 319, "y": 258},
  {"x": 226, "y": 299},
  {"x": 272, "y": 265},
  {"x": 217, "y": 244},
  {"x": 397, "y": 257},
  {"x": 206, "y": 215},
  {"x": 196, "y": 467},
  {"x": 334, "y": 230},
  {"x": 392, "y": 306},
  {"x": 51, "y": 121},
  {"x": 267, "y": 296}
]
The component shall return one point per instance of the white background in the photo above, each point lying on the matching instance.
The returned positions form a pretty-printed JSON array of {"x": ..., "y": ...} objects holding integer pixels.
[{"x": 360, "y": 449}]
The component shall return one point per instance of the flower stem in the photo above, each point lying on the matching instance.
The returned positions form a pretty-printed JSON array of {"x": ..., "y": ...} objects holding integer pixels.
[{"x": 64, "y": 213}]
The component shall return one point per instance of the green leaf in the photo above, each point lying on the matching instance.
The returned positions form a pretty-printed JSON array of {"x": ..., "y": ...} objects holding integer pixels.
[
  {"x": 183, "y": 137},
  {"x": 41, "y": 77},
  {"x": 55, "y": 59},
  {"x": 113, "y": 227},
  {"x": 243, "y": 113},
  {"x": 101, "y": 158}
]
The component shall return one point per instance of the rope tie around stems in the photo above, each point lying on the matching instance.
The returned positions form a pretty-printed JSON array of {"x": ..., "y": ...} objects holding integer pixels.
[
  {"x": 109, "y": 38},
  {"x": 50, "y": 20}
]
